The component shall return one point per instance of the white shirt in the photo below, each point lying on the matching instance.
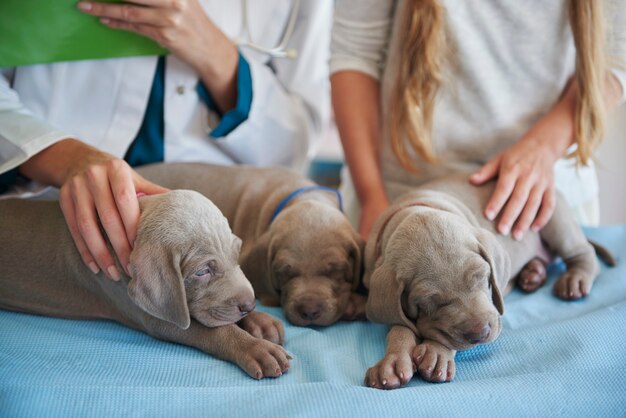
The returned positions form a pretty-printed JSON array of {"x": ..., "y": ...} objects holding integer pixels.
[{"x": 102, "y": 102}]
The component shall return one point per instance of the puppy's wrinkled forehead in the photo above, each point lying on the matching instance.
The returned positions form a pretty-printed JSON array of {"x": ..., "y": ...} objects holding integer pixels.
[
  {"x": 184, "y": 218},
  {"x": 435, "y": 243}
]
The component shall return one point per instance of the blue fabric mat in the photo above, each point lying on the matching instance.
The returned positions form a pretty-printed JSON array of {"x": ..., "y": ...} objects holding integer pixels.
[{"x": 553, "y": 358}]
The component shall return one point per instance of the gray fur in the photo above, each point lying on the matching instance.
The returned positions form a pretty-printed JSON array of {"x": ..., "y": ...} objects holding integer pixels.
[
  {"x": 433, "y": 264},
  {"x": 180, "y": 233},
  {"x": 308, "y": 259}
]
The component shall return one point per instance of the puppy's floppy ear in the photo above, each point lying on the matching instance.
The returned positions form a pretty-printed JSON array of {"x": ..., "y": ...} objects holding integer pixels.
[
  {"x": 499, "y": 263},
  {"x": 157, "y": 285},
  {"x": 256, "y": 264},
  {"x": 384, "y": 300},
  {"x": 356, "y": 257}
]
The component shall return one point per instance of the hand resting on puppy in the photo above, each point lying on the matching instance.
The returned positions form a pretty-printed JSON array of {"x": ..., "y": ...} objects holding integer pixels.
[{"x": 437, "y": 272}]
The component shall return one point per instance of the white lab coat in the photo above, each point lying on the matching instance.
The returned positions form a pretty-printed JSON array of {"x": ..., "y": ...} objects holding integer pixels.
[{"x": 102, "y": 102}]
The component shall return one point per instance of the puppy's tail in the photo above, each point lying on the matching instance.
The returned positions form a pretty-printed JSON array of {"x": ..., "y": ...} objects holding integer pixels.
[{"x": 603, "y": 253}]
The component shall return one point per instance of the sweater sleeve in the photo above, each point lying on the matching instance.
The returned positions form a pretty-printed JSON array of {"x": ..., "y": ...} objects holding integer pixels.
[
  {"x": 360, "y": 36},
  {"x": 617, "y": 42}
]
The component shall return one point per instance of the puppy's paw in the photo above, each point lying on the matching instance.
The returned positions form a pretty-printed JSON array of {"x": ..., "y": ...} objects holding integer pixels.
[
  {"x": 262, "y": 325},
  {"x": 392, "y": 371},
  {"x": 434, "y": 362},
  {"x": 573, "y": 284},
  {"x": 532, "y": 276},
  {"x": 260, "y": 358},
  {"x": 355, "y": 310}
]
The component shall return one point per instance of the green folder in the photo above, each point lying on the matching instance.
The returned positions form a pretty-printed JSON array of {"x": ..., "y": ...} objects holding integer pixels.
[{"x": 43, "y": 31}]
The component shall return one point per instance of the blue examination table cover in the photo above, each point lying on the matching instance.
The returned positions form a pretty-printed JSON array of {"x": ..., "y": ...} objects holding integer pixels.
[{"x": 553, "y": 358}]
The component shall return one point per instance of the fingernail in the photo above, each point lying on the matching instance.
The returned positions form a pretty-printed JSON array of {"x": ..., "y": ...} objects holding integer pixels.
[
  {"x": 505, "y": 229},
  {"x": 518, "y": 235},
  {"x": 490, "y": 214},
  {"x": 113, "y": 273},
  {"x": 83, "y": 5},
  {"x": 534, "y": 228},
  {"x": 94, "y": 268},
  {"x": 140, "y": 194},
  {"x": 105, "y": 20}
]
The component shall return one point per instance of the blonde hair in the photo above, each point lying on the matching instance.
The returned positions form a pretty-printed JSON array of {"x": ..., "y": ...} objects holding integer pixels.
[{"x": 422, "y": 55}]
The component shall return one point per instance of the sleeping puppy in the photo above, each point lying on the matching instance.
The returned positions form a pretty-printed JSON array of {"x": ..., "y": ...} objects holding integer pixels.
[
  {"x": 299, "y": 249},
  {"x": 186, "y": 284},
  {"x": 437, "y": 271}
]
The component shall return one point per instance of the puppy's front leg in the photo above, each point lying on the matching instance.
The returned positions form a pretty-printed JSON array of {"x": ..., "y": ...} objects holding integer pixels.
[
  {"x": 434, "y": 361},
  {"x": 262, "y": 325},
  {"x": 257, "y": 357},
  {"x": 396, "y": 367}
]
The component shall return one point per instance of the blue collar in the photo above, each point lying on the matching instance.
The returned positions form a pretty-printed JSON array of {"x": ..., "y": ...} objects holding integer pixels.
[{"x": 301, "y": 190}]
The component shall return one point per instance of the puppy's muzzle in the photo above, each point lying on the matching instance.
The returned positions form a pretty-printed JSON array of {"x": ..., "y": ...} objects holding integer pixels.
[
  {"x": 246, "y": 306},
  {"x": 478, "y": 333},
  {"x": 310, "y": 309}
]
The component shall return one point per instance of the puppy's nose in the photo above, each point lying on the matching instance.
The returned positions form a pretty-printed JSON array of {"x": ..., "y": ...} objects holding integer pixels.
[
  {"x": 247, "y": 307},
  {"x": 479, "y": 334},
  {"x": 310, "y": 310}
]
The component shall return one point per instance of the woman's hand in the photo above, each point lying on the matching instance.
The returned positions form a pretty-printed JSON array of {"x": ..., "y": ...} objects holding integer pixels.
[
  {"x": 184, "y": 28},
  {"x": 525, "y": 170},
  {"x": 524, "y": 195},
  {"x": 96, "y": 189},
  {"x": 178, "y": 25}
]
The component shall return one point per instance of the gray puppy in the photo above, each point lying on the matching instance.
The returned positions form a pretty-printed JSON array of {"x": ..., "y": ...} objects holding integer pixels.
[
  {"x": 186, "y": 284},
  {"x": 298, "y": 250},
  {"x": 437, "y": 271}
]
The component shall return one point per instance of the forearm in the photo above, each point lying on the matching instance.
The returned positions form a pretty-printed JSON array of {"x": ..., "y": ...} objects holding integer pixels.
[
  {"x": 51, "y": 166},
  {"x": 558, "y": 124},
  {"x": 217, "y": 69},
  {"x": 356, "y": 102}
]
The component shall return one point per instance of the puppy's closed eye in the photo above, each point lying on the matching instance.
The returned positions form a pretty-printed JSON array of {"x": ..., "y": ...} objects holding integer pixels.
[
  {"x": 284, "y": 272},
  {"x": 340, "y": 270},
  {"x": 207, "y": 270}
]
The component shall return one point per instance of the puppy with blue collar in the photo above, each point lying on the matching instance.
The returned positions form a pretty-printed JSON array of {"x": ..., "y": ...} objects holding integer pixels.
[{"x": 299, "y": 249}]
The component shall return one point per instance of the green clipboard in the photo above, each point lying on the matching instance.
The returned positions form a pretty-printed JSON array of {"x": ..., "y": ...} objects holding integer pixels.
[{"x": 44, "y": 31}]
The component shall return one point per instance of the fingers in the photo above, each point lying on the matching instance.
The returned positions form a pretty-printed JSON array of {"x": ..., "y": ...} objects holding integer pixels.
[
  {"x": 504, "y": 187},
  {"x": 69, "y": 212},
  {"x": 110, "y": 219},
  {"x": 102, "y": 198},
  {"x": 88, "y": 226},
  {"x": 127, "y": 13},
  {"x": 126, "y": 202},
  {"x": 487, "y": 172},
  {"x": 531, "y": 207},
  {"x": 547, "y": 209},
  {"x": 144, "y": 186}
]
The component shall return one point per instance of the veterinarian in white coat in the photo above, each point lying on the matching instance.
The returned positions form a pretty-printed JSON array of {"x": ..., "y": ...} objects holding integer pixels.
[{"x": 70, "y": 124}]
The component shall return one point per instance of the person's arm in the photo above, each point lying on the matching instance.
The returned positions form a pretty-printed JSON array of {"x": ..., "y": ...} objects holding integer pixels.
[
  {"x": 360, "y": 39},
  {"x": 289, "y": 106},
  {"x": 22, "y": 134},
  {"x": 524, "y": 196},
  {"x": 356, "y": 102}
]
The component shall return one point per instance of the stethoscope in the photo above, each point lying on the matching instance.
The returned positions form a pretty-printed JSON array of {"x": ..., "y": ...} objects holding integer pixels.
[{"x": 244, "y": 38}]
